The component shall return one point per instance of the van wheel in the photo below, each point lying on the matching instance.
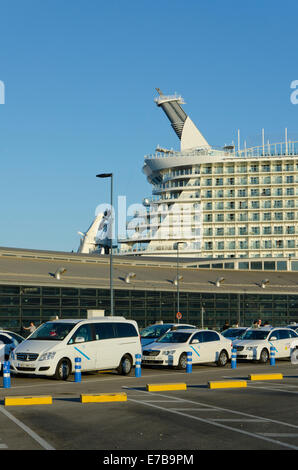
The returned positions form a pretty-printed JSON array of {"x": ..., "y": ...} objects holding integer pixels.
[
  {"x": 264, "y": 356},
  {"x": 125, "y": 365},
  {"x": 222, "y": 359},
  {"x": 63, "y": 369}
]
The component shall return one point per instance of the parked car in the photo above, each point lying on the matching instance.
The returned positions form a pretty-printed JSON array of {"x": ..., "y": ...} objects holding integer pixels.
[
  {"x": 234, "y": 333},
  {"x": 101, "y": 343},
  {"x": 256, "y": 342},
  {"x": 293, "y": 326},
  {"x": 11, "y": 340},
  {"x": 171, "y": 349},
  {"x": 153, "y": 332}
]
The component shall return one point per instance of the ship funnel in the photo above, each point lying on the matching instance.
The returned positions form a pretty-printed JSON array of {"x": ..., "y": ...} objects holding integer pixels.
[{"x": 187, "y": 132}]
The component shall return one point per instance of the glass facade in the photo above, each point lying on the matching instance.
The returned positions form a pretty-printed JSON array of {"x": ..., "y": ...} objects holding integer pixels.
[{"x": 21, "y": 304}]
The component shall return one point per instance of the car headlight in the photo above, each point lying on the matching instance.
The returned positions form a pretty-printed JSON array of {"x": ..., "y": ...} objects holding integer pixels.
[
  {"x": 12, "y": 355},
  {"x": 250, "y": 348},
  {"x": 166, "y": 353},
  {"x": 47, "y": 356}
]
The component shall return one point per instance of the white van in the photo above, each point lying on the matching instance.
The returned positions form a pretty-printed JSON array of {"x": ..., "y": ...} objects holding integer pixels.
[{"x": 101, "y": 343}]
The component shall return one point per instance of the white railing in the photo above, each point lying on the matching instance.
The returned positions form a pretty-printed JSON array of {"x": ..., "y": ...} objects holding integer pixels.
[{"x": 267, "y": 150}]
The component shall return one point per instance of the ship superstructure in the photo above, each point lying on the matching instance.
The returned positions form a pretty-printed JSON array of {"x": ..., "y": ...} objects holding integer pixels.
[{"x": 216, "y": 202}]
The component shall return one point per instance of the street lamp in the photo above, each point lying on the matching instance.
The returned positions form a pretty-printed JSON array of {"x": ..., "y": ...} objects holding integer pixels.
[
  {"x": 110, "y": 175},
  {"x": 178, "y": 278}
]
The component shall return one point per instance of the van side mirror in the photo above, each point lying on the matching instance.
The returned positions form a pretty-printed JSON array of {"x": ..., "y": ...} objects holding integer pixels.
[
  {"x": 79, "y": 339},
  {"x": 195, "y": 341},
  {"x": 273, "y": 338}
]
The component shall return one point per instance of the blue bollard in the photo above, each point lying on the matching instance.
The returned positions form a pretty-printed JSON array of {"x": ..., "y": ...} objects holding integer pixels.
[
  {"x": 78, "y": 374},
  {"x": 234, "y": 359},
  {"x": 138, "y": 371},
  {"x": 6, "y": 374},
  {"x": 272, "y": 355},
  {"x": 189, "y": 363}
]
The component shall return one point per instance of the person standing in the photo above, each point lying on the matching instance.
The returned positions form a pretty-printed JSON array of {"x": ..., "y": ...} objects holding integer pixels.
[
  {"x": 31, "y": 328},
  {"x": 226, "y": 326}
]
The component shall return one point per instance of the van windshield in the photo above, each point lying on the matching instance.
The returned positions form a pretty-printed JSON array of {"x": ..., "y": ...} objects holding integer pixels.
[{"x": 52, "y": 331}]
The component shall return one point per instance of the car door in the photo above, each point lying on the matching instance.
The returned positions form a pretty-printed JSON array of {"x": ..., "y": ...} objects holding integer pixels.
[
  {"x": 211, "y": 345},
  {"x": 82, "y": 345},
  {"x": 284, "y": 343},
  {"x": 275, "y": 341},
  {"x": 197, "y": 349}
]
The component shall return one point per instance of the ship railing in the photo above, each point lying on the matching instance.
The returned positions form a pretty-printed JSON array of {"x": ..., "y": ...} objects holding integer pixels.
[{"x": 276, "y": 149}]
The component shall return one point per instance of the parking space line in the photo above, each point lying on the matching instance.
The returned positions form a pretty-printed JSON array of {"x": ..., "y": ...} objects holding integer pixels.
[
  {"x": 273, "y": 434},
  {"x": 241, "y": 420},
  {"x": 273, "y": 388},
  {"x": 213, "y": 422},
  {"x": 29, "y": 431}
]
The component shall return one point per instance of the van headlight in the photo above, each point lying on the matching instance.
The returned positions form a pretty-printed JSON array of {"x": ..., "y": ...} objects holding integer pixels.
[
  {"x": 167, "y": 353},
  {"x": 47, "y": 356}
]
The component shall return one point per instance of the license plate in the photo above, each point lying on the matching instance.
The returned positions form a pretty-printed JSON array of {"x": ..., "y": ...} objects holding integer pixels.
[{"x": 24, "y": 364}]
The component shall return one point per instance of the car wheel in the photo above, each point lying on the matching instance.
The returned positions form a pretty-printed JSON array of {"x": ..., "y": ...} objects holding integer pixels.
[
  {"x": 182, "y": 361},
  {"x": 222, "y": 358},
  {"x": 125, "y": 365},
  {"x": 264, "y": 356},
  {"x": 63, "y": 369}
]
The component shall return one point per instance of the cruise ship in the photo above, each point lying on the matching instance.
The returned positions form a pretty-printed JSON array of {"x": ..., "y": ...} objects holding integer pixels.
[{"x": 209, "y": 202}]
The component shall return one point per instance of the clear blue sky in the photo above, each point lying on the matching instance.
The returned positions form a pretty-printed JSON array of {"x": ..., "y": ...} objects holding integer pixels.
[{"x": 80, "y": 78}]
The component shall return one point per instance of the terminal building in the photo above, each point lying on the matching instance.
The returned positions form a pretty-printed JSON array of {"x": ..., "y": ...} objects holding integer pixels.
[{"x": 42, "y": 285}]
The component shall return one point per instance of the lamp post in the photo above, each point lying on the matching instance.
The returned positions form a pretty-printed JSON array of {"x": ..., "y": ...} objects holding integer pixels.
[
  {"x": 178, "y": 278},
  {"x": 110, "y": 175}
]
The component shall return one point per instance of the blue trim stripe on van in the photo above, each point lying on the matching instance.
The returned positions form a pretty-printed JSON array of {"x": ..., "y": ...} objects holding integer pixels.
[{"x": 82, "y": 354}]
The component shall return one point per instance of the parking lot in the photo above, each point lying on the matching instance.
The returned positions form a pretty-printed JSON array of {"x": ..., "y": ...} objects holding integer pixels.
[{"x": 261, "y": 415}]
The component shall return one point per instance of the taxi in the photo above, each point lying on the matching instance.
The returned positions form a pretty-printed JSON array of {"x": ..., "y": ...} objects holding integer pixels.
[
  {"x": 255, "y": 343},
  {"x": 172, "y": 348}
]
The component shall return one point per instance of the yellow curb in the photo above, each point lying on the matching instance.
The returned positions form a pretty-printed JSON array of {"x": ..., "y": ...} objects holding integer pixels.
[
  {"x": 103, "y": 397},
  {"x": 39, "y": 400},
  {"x": 164, "y": 387},
  {"x": 229, "y": 384},
  {"x": 265, "y": 376}
]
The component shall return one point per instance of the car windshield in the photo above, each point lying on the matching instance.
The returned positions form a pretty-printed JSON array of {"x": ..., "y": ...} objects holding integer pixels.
[
  {"x": 255, "y": 334},
  {"x": 174, "y": 337},
  {"x": 52, "y": 331},
  {"x": 154, "y": 331},
  {"x": 233, "y": 332}
]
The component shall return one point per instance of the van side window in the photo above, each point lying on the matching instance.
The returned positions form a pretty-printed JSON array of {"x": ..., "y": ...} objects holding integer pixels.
[
  {"x": 124, "y": 330},
  {"x": 104, "y": 331},
  {"x": 84, "y": 331}
]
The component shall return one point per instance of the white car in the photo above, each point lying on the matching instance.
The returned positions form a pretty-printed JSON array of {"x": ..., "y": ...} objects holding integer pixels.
[
  {"x": 256, "y": 342},
  {"x": 171, "y": 349},
  {"x": 153, "y": 332},
  {"x": 11, "y": 340}
]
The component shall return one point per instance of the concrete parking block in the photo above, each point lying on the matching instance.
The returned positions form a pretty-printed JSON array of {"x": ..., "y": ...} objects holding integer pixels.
[
  {"x": 103, "y": 397},
  {"x": 165, "y": 387},
  {"x": 28, "y": 400},
  {"x": 227, "y": 384},
  {"x": 265, "y": 376}
]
